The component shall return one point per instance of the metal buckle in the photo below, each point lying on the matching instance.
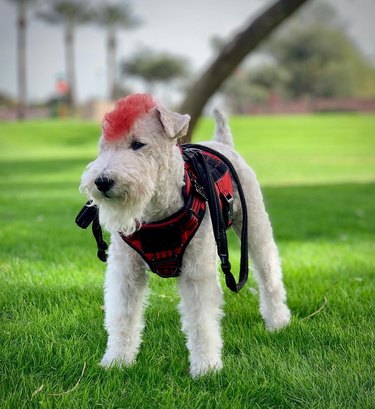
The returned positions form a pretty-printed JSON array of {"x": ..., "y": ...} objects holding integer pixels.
[
  {"x": 229, "y": 205},
  {"x": 199, "y": 189}
]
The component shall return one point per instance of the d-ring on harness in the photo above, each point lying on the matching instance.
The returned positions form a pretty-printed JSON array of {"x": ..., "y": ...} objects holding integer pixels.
[{"x": 208, "y": 179}]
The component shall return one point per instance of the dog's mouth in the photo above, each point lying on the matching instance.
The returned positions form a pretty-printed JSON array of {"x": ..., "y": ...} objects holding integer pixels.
[
  {"x": 112, "y": 195},
  {"x": 107, "y": 195}
]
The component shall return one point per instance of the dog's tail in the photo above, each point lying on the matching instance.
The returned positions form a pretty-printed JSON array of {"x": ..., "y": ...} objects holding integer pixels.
[{"x": 223, "y": 133}]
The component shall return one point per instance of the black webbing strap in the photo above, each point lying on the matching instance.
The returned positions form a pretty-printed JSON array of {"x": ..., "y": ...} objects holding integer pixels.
[
  {"x": 87, "y": 215},
  {"x": 199, "y": 163}
]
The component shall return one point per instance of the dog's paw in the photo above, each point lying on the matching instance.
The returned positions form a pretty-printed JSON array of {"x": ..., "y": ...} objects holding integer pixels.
[
  {"x": 116, "y": 358},
  {"x": 204, "y": 368},
  {"x": 278, "y": 319}
]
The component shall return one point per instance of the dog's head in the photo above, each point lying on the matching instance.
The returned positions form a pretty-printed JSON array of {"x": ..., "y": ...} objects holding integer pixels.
[{"x": 135, "y": 149}]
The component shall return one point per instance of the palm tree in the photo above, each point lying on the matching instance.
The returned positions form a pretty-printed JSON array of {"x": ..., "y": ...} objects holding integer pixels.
[
  {"x": 21, "y": 55},
  {"x": 114, "y": 17},
  {"x": 156, "y": 67},
  {"x": 69, "y": 13}
]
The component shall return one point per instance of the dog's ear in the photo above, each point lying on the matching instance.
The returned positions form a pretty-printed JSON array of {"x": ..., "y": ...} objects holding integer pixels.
[{"x": 175, "y": 125}]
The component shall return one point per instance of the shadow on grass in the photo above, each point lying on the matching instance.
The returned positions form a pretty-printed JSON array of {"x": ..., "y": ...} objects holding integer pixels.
[
  {"x": 330, "y": 212},
  {"x": 43, "y": 213},
  {"x": 40, "y": 200}
]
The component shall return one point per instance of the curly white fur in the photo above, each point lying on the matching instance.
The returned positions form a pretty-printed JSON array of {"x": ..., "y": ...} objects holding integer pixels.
[{"x": 147, "y": 187}]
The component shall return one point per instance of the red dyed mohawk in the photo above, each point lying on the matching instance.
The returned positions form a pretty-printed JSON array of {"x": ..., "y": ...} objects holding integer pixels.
[{"x": 118, "y": 122}]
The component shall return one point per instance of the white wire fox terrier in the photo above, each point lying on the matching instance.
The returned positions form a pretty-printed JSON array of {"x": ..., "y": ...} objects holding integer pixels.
[{"x": 138, "y": 178}]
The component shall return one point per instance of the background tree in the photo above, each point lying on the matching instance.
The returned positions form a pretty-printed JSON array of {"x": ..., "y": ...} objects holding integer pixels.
[
  {"x": 114, "y": 17},
  {"x": 155, "y": 68},
  {"x": 231, "y": 56},
  {"x": 69, "y": 13},
  {"x": 22, "y": 6},
  {"x": 320, "y": 57},
  {"x": 254, "y": 85},
  {"x": 312, "y": 56}
]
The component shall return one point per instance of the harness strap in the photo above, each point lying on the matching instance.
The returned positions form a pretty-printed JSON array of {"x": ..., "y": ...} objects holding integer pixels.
[{"x": 200, "y": 165}]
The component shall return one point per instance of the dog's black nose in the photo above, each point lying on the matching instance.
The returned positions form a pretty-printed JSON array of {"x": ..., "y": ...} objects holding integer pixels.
[{"x": 103, "y": 184}]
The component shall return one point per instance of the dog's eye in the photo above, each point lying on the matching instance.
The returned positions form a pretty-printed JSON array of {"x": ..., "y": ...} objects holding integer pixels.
[{"x": 136, "y": 145}]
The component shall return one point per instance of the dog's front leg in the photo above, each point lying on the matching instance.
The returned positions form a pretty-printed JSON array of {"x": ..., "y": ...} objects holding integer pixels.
[
  {"x": 124, "y": 298},
  {"x": 200, "y": 306}
]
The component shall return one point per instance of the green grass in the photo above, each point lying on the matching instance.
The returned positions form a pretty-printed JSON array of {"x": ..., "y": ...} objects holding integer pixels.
[{"x": 318, "y": 178}]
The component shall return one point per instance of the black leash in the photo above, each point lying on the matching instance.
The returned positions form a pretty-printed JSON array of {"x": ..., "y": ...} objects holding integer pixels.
[
  {"x": 200, "y": 165},
  {"x": 90, "y": 214}
]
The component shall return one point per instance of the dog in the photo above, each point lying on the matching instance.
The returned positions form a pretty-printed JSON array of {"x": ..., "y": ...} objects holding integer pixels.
[{"x": 138, "y": 178}]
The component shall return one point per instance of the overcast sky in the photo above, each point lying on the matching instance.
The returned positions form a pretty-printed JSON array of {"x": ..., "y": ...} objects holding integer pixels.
[{"x": 181, "y": 27}]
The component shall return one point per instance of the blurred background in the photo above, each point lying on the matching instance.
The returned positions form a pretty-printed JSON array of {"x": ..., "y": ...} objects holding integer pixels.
[
  {"x": 297, "y": 79},
  {"x": 71, "y": 57}
]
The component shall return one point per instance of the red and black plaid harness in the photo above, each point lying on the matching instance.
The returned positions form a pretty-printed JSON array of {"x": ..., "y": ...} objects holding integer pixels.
[
  {"x": 208, "y": 180},
  {"x": 162, "y": 244}
]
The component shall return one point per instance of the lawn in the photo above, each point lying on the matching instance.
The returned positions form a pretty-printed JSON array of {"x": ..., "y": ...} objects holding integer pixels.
[{"x": 318, "y": 178}]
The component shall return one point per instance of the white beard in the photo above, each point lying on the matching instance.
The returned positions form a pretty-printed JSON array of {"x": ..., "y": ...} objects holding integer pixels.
[{"x": 125, "y": 213}]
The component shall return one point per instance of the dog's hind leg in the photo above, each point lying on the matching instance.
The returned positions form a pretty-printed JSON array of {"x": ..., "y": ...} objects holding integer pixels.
[
  {"x": 124, "y": 296},
  {"x": 264, "y": 254}
]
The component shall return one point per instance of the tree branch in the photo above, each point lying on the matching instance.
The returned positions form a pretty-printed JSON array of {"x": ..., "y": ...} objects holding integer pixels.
[{"x": 231, "y": 56}]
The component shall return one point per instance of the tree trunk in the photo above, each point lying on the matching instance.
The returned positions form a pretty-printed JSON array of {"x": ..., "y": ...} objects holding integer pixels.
[
  {"x": 21, "y": 61},
  {"x": 70, "y": 66},
  {"x": 111, "y": 64},
  {"x": 231, "y": 56}
]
